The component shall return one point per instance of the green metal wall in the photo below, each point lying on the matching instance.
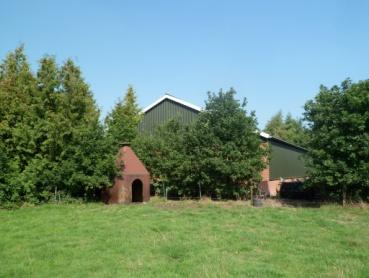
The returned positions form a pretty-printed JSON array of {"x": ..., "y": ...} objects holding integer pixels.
[
  {"x": 165, "y": 111},
  {"x": 286, "y": 161}
]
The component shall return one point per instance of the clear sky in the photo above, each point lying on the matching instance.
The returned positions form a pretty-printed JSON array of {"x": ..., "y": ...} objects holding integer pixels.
[{"x": 274, "y": 53}]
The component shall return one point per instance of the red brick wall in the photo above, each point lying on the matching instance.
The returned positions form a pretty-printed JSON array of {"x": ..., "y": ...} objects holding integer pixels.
[
  {"x": 266, "y": 186},
  {"x": 265, "y": 174}
]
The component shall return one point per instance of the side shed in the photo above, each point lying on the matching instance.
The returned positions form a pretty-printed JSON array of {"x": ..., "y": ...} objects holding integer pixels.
[{"x": 286, "y": 164}]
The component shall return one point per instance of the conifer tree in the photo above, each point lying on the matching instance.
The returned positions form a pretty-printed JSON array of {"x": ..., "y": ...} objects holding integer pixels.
[
  {"x": 85, "y": 162},
  {"x": 288, "y": 129},
  {"x": 122, "y": 122},
  {"x": 50, "y": 134},
  {"x": 17, "y": 121},
  {"x": 275, "y": 125}
]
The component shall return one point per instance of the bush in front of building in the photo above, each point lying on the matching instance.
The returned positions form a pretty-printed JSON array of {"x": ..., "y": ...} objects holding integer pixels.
[
  {"x": 338, "y": 156},
  {"x": 219, "y": 155}
]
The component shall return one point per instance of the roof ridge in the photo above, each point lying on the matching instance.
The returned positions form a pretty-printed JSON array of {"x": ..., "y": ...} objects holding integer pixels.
[{"x": 172, "y": 98}]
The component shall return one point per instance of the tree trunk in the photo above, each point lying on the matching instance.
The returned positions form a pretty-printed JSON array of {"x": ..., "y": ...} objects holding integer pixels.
[{"x": 344, "y": 197}]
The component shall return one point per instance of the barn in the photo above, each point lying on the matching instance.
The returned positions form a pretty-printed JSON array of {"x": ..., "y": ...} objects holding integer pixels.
[
  {"x": 285, "y": 165},
  {"x": 165, "y": 108}
]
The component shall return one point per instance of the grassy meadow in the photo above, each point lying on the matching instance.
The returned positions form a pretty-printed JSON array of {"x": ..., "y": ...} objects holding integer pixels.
[{"x": 184, "y": 239}]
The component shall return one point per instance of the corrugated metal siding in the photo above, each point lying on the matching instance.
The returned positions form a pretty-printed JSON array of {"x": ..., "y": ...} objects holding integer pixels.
[
  {"x": 165, "y": 111},
  {"x": 286, "y": 161}
]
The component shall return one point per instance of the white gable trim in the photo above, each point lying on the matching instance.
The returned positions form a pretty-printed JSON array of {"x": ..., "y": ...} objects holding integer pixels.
[
  {"x": 265, "y": 135},
  {"x": 172, "y": 98}
]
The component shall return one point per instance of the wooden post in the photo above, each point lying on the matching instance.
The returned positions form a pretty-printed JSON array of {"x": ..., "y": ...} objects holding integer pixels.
[{"x": 200, "y": 191}]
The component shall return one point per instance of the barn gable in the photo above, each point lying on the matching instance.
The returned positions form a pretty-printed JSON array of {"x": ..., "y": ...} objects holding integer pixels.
[{"x": 165, "y": 109}]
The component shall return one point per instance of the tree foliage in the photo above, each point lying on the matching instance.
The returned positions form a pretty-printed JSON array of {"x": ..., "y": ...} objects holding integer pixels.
[
  {"x": 50, "y": 134},
  {"x": 122, "y": 122},
  {"x": 219, "y": 155},
  {"x": 339, "y": 146},
  {"x": 288, "y": 129}
]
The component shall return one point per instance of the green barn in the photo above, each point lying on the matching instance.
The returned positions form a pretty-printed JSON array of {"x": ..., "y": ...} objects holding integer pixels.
[
  {"x": 166, "y": 108},
  {"x": 286, "y": 163}
]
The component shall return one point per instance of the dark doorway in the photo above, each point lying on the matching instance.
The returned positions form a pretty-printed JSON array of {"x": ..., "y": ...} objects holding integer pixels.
[{"x": 137, "y": 195}]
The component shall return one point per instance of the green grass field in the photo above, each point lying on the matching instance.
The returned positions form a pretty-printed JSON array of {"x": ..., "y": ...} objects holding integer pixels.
[{"x": 184, "y": 239}]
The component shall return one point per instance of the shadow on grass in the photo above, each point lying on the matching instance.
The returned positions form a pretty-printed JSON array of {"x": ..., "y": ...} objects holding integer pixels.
[{"x": 300, "y": 203}]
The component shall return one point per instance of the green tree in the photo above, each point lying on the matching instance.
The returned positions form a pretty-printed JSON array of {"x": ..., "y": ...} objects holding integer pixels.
[
  {"x": 230, "y": 152},
  {"x": 122, "y": 122},
  {"x": 288, "y": 129},
  {"x": 17, "y": 122},
  {"x": 275, "y": 126},
  {"x": 219, "y": 155},
  {"x": 164, "y": 155},
  {"x": 338, "y": 149},
  {"x": 85, "y": 162},
  {"x": 50, "y": 133}
]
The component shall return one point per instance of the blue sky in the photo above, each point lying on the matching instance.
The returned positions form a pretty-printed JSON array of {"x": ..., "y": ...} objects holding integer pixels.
[{"x": 274, "y": 53}]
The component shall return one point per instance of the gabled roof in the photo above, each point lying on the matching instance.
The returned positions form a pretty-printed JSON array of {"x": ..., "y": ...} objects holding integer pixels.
[
  {"x": 262, "y": 134},
  {"x": 267, "y": 136},
  {"x": 172, "y": 98},
  {"x": 132, "y": 164}
]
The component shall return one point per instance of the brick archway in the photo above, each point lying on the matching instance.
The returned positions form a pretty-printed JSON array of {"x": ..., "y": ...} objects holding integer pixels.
[{"x": 137, "y": 191}]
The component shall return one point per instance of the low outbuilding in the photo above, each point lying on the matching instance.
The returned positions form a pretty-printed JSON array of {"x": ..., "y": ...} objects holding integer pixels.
[{"x": 133, "y": 182}]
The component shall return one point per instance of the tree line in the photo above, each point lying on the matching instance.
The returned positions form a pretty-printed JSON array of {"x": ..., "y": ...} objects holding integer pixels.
[
  {"x": 51, "y": 136},
  {"x": 52, "y": 141},
  {"x": 220, "y": 155}
]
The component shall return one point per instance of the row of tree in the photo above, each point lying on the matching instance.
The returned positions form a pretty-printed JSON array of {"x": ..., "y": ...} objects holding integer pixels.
[
  {"x": 220, "y": 154},
  {"x": 52, "y": 141}
]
